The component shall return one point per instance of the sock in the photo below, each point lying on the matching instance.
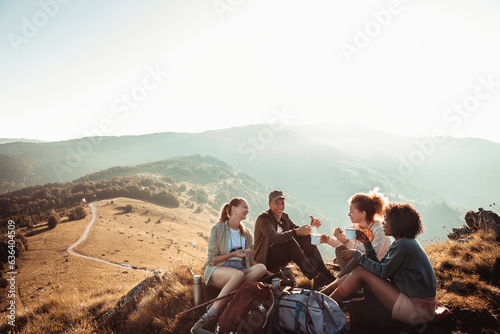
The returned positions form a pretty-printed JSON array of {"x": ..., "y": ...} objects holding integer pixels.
[
  {"x": 339, "y": 294},
  {"x": 212, "y": 312}
]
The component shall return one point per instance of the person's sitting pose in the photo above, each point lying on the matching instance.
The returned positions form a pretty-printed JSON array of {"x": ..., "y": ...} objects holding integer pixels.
[
  {"x": 404, "y": 280},
  {"x": 278, "y": 241},
  {"x": 364, "y": 211},
  {"x": 230, "y": 260}
]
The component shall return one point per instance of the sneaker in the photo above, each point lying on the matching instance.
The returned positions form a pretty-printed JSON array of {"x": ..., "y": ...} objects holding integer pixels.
[
  {"x": 355, "y": 297},
  {"x": 204, "y": 324},
  {"x": 320, "y": 282}
]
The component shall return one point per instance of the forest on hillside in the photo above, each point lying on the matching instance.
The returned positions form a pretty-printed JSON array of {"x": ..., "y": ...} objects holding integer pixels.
[{"x": 33, "y": 205}]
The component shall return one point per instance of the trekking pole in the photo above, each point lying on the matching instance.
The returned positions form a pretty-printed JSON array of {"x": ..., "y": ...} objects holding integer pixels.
[{"x": 206, "y": 303}]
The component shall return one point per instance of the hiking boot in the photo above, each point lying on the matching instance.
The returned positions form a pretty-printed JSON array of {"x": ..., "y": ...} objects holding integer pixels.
[
  {"x": 355, "y": 297},
  {"x": 204, "y": 324},
  {"x": 320, "y": 282}
]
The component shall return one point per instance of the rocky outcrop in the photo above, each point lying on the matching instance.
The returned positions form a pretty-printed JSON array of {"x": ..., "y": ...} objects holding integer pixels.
[
  {"x": 480, "y": 220},
  {"x": 116, "y": 317}
]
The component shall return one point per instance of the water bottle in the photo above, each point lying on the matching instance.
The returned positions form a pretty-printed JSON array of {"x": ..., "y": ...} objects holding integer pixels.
[{"x": 197, "y": 290}]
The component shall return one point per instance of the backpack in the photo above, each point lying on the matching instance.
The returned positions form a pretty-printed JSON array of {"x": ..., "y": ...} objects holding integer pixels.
[
  {"x": 307, "y": 311},
  {"x": 248, "y": 311}
]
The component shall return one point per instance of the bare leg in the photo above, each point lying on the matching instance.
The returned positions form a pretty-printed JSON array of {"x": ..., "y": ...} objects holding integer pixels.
[
  {"x": 351, "y": 264},
  {"x": 338, "y": 254},
  {"x": 254, "y": 273},
  {"x": 332, "y": 286},
  {"x": 385, "y": 292},
  {"x": 227, "y": 279}
]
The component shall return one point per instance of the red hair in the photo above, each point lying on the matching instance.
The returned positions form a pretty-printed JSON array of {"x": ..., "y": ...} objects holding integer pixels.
[{"x": 373, "y": 203}]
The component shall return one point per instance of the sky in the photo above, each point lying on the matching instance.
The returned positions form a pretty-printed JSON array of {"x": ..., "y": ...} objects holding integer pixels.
[{"x": 72, "y": 69}]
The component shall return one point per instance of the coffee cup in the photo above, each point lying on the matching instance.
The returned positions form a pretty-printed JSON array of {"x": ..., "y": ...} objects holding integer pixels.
[
  {"x": 350, "y": 233},
  {"x": 314, "y": 229},
  {"x": 315, "y": 239}
]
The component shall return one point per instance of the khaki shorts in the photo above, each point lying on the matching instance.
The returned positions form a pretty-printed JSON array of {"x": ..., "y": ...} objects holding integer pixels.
[{"x": 405, "y": 310}]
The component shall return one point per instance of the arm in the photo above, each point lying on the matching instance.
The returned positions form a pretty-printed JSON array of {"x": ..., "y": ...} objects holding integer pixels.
[
  {"x": 391, "y": 263},
  {"x": 355, "y": 244},
  {"x": 224, "y": 257},
  {"x": 332, "y": 241},
  {"x": 265, "y": 224},
  {"x": 378, "y": 238},
  {"x": 215, "y": 253},
  {"x": 370, "y": 252},
  {"x": 213, "y": 249}
]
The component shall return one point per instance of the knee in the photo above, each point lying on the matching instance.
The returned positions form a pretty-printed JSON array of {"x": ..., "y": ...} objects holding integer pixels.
[
  {"x": 260, "y": 268},
  {"x": 238, "y": 276},
  {"x": 339, "y": 249},
  {"x": 359, "y": 272}
]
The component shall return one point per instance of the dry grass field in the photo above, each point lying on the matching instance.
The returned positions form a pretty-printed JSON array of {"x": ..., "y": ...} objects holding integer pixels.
[
  {"x": 149, "y": 237},
  {"x": 59, "y": 292},
  {"x": 62, "y": 293}
]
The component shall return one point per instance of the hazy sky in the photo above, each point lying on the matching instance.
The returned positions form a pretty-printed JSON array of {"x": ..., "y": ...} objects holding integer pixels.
[{"x": 70, "y": 69}]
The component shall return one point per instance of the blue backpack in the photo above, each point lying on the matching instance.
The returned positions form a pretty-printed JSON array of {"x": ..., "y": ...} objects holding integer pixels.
[{"x": 307, "y": 311}]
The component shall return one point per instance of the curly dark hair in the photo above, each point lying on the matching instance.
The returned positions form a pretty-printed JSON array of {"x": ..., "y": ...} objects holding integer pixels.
[{"x": 405, "y": 220}]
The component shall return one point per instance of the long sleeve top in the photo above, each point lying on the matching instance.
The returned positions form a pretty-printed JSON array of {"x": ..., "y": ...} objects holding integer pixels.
[
  {"x": 266, "y": 233},
  {"x": 380, "y": 242},
  {"x": 405, "y": 264},
  {"x": 217, "y": 245}
]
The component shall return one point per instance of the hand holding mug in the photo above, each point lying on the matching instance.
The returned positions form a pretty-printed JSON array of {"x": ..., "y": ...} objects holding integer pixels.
[
  {"x": 361, "y": 236},
  {"x": 303, "y": 230}
]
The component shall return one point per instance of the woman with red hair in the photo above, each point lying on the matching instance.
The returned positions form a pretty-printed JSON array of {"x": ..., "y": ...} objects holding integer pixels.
[{"x": 366, "y": 212}]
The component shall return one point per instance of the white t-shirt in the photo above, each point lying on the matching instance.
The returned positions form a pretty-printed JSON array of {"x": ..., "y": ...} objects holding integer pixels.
[
  {"x": 279, "y": 229},
  {"x": 236, "y": 240}
]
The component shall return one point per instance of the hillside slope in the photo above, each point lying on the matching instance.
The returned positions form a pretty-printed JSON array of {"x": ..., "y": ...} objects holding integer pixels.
[
  {"x": 322, "y": 165},
  {"x": 467, "y": 274}
]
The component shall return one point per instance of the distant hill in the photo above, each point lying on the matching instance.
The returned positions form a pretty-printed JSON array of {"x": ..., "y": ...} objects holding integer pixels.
[
  {"x": 20, "y": 140},
  {"x": 206, "y": 180},
  {"x": 319, "y": 164}
]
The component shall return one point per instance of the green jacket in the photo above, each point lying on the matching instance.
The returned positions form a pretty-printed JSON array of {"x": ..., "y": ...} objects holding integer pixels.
[
  {"x": 405, "y": 264},
  {"x": 217, "y": 245}
]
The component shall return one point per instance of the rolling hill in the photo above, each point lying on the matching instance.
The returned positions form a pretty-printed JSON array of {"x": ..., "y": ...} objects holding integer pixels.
[{"x": 319, "y": 164}]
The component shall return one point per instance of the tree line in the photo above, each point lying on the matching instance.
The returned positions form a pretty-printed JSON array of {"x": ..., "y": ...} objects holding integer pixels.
[{"x": 33, "y": 205}]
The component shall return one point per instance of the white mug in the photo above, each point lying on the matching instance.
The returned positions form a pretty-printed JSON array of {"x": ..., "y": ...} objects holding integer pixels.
[
  {"x": 315, "y": 239},
  {"x": 350, "y": 233},
  {"x": 314, "y": 229}
]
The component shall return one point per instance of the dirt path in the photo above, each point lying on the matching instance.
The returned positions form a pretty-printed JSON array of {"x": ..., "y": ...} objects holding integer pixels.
[{"x": 71, "y": 248}]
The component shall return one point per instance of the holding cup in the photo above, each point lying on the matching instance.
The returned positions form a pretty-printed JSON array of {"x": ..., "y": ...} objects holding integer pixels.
[
  {"x": 314, "y": 229},
  {"x": 315, "y": 238},
  {"x": 350, "y": 233}
]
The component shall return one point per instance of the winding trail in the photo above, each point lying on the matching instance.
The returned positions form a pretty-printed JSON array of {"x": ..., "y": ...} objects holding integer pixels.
[{"x": 71, "y": 248}]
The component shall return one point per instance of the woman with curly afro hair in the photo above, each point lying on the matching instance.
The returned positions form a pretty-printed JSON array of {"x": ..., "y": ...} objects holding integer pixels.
[{"x": 404, "y": 280}]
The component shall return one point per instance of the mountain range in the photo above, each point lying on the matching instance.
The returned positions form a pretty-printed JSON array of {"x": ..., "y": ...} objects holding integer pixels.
[{"x": 322, "y": 165}]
